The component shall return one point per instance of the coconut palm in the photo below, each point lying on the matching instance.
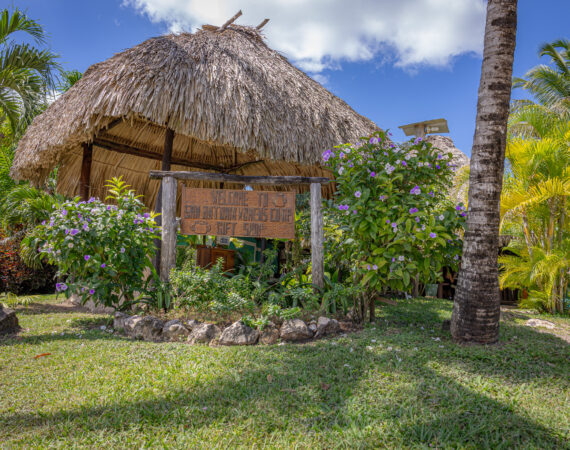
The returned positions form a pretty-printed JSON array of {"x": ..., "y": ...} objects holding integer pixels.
[
  {"x": 26, "y": 72},
  {"x": 550, "y": 85},
  {"x": 477, "y": 301}
]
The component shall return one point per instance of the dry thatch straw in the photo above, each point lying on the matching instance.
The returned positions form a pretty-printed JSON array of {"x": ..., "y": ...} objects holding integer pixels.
[{"x": 229, "y": 98}]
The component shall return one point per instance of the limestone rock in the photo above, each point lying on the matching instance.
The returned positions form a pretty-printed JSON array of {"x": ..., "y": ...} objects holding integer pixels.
[
  {"x": 191, "y": 324},
  {"x": 119, "y": 320},
  {"x": 540, "y": 323},
  {"x": 326, "y": 326},
  {"x": 174, "y": 330},
  {"x": 295, "y": 330},
  {"x": 269, "y": 335},
  {"x": 239, "y": 333},
  {"x": 8, "y": 321},
  {"x": 130, "y": 323},
  {"x": 204, "y": 333},
  {"x": 149, "y": 328}
]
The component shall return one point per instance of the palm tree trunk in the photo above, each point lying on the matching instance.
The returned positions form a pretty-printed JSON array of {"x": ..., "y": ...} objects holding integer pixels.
[{"x": 477, "y": 301}]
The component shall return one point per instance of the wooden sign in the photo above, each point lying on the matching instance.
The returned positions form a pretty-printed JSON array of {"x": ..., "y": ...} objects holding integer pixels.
[{"x": 224, "y": 212}]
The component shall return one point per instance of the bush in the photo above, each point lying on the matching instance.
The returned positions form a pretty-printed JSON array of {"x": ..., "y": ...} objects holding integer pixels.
[
  {"x": 210, "y": 290},
  {"x": 16, "y": 277},
  {"x": 392, "y": 210},
  {"x": 102, "y": 250}
]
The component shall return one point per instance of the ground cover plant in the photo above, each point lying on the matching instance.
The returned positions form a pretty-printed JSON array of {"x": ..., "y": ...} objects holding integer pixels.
[{"x": 400, "y": 383}]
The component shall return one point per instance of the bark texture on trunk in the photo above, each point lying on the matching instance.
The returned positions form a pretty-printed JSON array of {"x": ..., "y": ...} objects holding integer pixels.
[{"x": 477, "y": 301}]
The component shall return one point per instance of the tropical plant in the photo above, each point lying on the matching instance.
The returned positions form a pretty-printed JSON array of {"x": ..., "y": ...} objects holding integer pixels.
[
  {"x": 101, "y": 250},
  {"x": 534, "y": 206},
  {"x": 27, "y": 74},
  {"x": 392, "y": 212},
  {"x": 476, "y": 308},
  {"x": 68, "y": 78},
  {"x": 550, "y": 84}
]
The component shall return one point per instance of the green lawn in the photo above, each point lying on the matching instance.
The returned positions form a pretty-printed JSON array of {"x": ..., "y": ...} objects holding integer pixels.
[{"x": 401, "y": 383}]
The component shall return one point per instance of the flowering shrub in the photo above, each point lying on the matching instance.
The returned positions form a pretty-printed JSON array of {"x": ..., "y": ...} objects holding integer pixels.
[
  {"x": 391, "y": 205},
  {"x": 101, "y": 249}
]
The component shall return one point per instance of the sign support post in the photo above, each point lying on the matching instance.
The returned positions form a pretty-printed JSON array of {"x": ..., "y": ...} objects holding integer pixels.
[
  {"x": 169, "y": 231},
  {"x": 317, "y": 236}
]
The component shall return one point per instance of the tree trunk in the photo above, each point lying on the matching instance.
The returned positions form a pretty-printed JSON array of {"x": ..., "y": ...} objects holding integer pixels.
[{"x": 476, "y": 308}]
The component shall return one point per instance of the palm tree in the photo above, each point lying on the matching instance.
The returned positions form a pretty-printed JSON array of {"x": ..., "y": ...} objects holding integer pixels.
[
  {"x": 477, "y": 301},
  {"x": 26, "y": 73},
  {"x": 550, "y": 85},
  {"x": 68, "y": 79}
]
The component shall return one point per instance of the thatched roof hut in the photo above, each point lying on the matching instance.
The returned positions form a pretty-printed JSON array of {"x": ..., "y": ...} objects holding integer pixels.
[{"x": 234, "y": 105}]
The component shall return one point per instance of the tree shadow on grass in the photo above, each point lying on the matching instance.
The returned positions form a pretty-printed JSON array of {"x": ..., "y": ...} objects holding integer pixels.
[{"x": 324, "y": 394}]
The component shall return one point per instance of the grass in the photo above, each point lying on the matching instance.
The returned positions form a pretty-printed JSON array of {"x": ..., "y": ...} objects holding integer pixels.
[{"x": 400, "y": 383}]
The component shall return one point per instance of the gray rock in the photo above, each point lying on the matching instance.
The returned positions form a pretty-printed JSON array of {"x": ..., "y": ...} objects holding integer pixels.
[
  {"x": 191, "y": 324},
  {"x": 239, "y": 333},
  {"x": 295, "y": 330},
  {"x": 312, "y": 327},
  {"x": 204, "y": 333},
  {"x": 8, "y": 321},
  {"x": 540, "y": 323},
  {"x": 269, "y": 335},
  {"x": 130, "y": 323},
  {"x": 119, "y": 320},
  {"x": 174, "y": 330},
  {"x": 326, "y": 326},
  {"x": 149, "y": 328}
]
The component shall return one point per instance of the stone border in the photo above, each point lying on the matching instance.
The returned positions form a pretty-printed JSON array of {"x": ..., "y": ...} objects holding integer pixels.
[{"x": 150, "y": 328}]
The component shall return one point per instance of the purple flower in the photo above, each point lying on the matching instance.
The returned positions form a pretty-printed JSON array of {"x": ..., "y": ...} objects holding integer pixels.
[
  {"x": 63, "y": 212},
  {"x": 387, "y": 220},
  {"x": 43, "y": 222},
  {"x": 432, "y": 235},
  {"x": 85, "y": 227},
  {"x": 431, "y": 194},
  {"x": 401, "y": 258},
  {"x": 417, "y": 219},
  {"x": 66, "y": 231},
  {"x": 146, "y": 215},
  {"x": 413, "y": 210},
  {"x": 74, "y": 231},
  {"x": 60, "y": 287},
  {"x": 462, "y": 214},
  {"x": 351, "y": 165},
  {"x": 357, "y": 194},
  {"x": 87, "y": 257},
  {"x": 373, "y": 140},
  {"x": 393, "y": 259},
  {"x": 374, "y": 267},
  {"x": 122, "y": 250},
  {"x": 437, "y": 166},
  {"x": 404, "y": 163},
  {"x": 91, "y": 291},
  {"x": 354, "y": 211},
  {"x": 108, "y": 208},
  {"x": 341, "y": 155},
  {"x": 79, "y": 216},
  {"x": 394, "y": 224},
  {"x": 368, "y": 266},
  {"x": 382, "y": 197},
  {"x": 103, "y": 265},
  {"x": 91, "y": 200},
  {"x": 372, "y": 174},
  {"x": 417, "y": 140},
  {"x": 415, "y": 190},
  {"x": 326, "y": 155},
  {"x": 459, "y": 208}
]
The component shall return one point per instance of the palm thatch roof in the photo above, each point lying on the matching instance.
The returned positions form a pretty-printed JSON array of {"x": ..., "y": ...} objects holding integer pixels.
[
  {"x": 235, "y": 105},
  {"x": 445, "y": 144}
]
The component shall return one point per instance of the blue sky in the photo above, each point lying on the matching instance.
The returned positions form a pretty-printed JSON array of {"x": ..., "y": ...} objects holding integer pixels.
[{"x": 395, "y": 62}]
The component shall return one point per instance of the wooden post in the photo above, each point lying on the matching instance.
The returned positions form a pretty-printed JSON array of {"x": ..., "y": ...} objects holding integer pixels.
[
  {"x": 84, "y": 180},
  {"x": 317, "y": 257},
  {"x": 166, "y": 160},
  {"x": 169, "y": 231}
]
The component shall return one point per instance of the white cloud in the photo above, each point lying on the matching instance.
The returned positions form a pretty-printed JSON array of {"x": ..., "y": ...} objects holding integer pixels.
[{"x": 320, "y": 34}]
